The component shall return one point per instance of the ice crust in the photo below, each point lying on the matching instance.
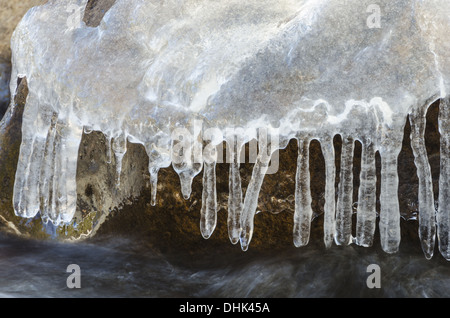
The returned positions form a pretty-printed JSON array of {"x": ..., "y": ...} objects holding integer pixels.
[{"x": 300, "y": 69}]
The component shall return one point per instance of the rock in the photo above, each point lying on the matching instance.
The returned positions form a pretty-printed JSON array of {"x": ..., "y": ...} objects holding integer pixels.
[
  {"x": 104, "y": 210},
  {"x": 5, "y": 74},
  {"x": 95, "y": 10}
]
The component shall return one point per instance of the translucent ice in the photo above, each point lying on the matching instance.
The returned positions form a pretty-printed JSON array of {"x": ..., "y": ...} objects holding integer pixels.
[{"x": 300, "y": 69}]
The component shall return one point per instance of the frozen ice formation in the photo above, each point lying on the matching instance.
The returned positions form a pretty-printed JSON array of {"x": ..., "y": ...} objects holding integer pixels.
[{"x": 271, "y": 70}]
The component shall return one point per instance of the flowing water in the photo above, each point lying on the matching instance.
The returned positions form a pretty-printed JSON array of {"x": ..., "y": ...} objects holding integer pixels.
[{"x": 120, "y": 267}]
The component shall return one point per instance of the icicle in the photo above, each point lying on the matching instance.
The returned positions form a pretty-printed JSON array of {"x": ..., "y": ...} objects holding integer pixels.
[
  {"x": 344, "y": 204},
  {"x": 27, "y": 202},
  {"x": 186, "y": 179},
  {"x": 427, "y": 215},
  {"x": 47, "y": 172},
  {"x": 119, "y": 146},
  {"x": 303, "y": 211},
  {"x": 443, "y": 213},
  {"x": 251, "y": 203},
  {"x": 390, "y": 210},
  {"x": 329, "y": 226},
  {"x": 108, "y": 149},
  {"x": 235, "y": 195},
  {"x": 154, "y": 184},
  {"x": 67, "y": 144},
  {"x": 208, "y": 214},
  {"x": 366, "y": 212},
  {"x": 187, "y": 159},
  {"x": 158, "y": 157},
  {"x": 252, "y": 194},
  {"x": 26, "y": 192},
  {"x": 58, "y": 183}
]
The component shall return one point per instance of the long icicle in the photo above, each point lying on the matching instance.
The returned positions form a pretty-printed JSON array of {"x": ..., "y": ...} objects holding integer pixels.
[
  {"x": 235, "y": 196},
  {"x": 303, "y": 211},
  {"x": 345, "y": 194},
  {"x": 59, "y": 199},
  {"x": 251, "y": 203},
  {"x": 390, "y": 211},
  {"x": 251, "y": 196},
  {"x": 427, "y": 215},
  {"x": 208, "y": 214},
  {"x": 366, "y": 212},
  {"x": 329, "y": 226},
  {"x": 443, "y": 213},
  {"x": 47, "y": 172},
  {"x": 67, "y": 191}
]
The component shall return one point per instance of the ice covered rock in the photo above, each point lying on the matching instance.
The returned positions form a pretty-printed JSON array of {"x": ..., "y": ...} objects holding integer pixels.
[{"x": 167, "y": 75}]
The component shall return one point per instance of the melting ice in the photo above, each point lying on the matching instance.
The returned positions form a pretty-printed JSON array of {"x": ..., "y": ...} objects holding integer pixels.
[{"x": 300, "y": 69}]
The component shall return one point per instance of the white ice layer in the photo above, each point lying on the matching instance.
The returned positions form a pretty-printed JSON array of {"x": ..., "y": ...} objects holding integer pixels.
[{"x": 301, "y": 69}]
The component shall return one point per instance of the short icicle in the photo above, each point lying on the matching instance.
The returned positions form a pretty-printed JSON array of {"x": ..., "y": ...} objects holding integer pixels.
[
  {"x": 427, "y": 214},
  {"x": 443, "y": 213},
  {"x": 303, "y": 211},
  {"x": 329, "y": 226},
  {"x": 187, "y": 162},
  {"x": 119, "y": 146},
  {"x": 344, "y": 206},
  {"x": 154, "y": 184},
  {"x": 366, "y": 212}
]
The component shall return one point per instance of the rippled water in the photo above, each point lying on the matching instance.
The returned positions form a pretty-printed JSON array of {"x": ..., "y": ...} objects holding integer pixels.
[{"x": 122, "y": 268}]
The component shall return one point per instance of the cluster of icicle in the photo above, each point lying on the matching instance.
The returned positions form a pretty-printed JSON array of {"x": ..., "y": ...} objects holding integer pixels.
[{"x": 300, "y": 69}]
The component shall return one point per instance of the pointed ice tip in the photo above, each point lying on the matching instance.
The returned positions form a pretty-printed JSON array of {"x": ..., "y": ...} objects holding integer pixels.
[
  {"x": 244, "y": 247},
  {"x": 446, "y": 255},
  {"x": 428, "y": 251},
  {"x": 300, "y": 243},
  {"x": 234, "y": 240},
  {"x": 206, "y": 236},
  {"x": 428, "y": 256},
  {"x": 245, "y": 242},
  {"x": 390, "y": 249},
  {"x": 45, "y": 220},
  {"x": 186, "y": 196}
]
